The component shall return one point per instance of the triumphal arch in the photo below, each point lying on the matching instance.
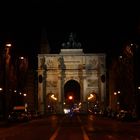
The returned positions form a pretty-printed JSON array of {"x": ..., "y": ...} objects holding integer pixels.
[{"x": 71, "y": 78}]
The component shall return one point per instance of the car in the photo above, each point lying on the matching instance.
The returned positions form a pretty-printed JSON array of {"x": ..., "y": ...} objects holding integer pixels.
[
  {"x": 125, "y": 115},
  {"x": 19, "y": 114}
]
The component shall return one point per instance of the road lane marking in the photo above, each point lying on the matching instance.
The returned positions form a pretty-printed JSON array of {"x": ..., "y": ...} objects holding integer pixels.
[
  {"x": 85, "y": 136},
  {"x": 83, "y": 130},
  {"x": 55, "y": 134},
  {"x": 84, "y": 133}
]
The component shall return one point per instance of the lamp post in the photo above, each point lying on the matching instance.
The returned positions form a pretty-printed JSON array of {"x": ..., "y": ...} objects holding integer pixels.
[
  {"x": 5, "y": 78},
  {"x": 18, "y": 76},
  {"x": 117, "y": 100}
]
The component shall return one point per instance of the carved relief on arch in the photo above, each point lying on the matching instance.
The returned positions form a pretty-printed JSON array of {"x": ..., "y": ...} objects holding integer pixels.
[
  {"x": 71, "y": 78},
  {"x": 42, "y": 62}
]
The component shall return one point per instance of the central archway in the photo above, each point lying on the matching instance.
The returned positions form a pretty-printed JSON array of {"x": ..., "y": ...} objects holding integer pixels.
[{"x": 72, "y": 89}]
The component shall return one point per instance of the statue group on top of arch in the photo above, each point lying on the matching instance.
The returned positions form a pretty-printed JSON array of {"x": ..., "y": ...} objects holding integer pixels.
[{"x": 71, "y": 44}]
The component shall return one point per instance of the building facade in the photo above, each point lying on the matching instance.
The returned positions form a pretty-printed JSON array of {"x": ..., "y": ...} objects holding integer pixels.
[{"x": 71, "y": 72}]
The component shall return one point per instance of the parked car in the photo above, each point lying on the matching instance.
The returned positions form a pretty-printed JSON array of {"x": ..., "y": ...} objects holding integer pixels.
[
  {"x": 35, "y": 115},
  {"x": 19, "y": 114},
  {"x": 125, "y": 115}
]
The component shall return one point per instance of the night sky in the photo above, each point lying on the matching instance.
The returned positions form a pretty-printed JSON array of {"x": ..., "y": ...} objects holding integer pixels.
[{"x": 99, "y": 26}]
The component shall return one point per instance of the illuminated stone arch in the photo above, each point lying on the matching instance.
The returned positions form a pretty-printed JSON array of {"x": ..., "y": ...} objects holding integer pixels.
[{"x": 84, "y": 71}]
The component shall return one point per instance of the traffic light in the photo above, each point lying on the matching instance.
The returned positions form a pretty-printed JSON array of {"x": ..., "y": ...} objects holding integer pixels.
[{"x": 70, "y": 97}]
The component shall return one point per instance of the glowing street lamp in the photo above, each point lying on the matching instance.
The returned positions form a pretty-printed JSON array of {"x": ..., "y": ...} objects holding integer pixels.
[
  {"x": 117, "y": 99},
  {"x": 21, "y": 57},
  {"x": 8, "y": 45},
  {"x": 91, "y": 96},
  {"x": 53, "y": 97},
  {"x": 115, "y": 93},
  {"x": 24, "y": 94}
]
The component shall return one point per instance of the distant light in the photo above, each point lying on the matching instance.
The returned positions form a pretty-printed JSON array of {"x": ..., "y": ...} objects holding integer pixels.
[
  {"x": 66, "y": 111},
  {"x": 119, "y": 92},
  {"x": 138, "y": 87},
  {"x": 120, "y": 56},
  {"x": 8, "y": 45},
  {"x": 115, "y": 93},
  {"x": 118, "y": 103},
  {"x": 21, "y": 57},
  {"x": 1, "y": 89},
  {"x": 24, "y": 94},
  {"x": 26, "y": 105}
]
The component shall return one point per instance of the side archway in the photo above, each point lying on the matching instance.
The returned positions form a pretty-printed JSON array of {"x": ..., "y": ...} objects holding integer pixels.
[
  {"x": 93, "y": 102},
  {"x": 51, "y": 103}
]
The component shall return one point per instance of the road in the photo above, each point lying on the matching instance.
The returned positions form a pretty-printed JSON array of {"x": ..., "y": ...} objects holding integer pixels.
[{"x": 78, "y": 127}]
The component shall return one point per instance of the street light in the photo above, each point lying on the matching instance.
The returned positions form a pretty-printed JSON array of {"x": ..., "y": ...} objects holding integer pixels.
[
  {"x": 53, "y": 97},
  {"x": 117, "y": 99},
  {"x": 5, "y": 77},
  {"x": 8, "y": 45}
]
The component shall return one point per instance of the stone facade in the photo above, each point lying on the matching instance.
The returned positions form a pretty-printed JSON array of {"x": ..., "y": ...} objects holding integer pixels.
[{"x": 55, "y": 71}]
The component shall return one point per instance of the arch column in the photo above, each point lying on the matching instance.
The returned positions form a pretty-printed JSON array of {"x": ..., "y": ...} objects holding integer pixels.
[
  {"x": 44, "y": 91},
  {"x": 40, "y": 91},
  {"x": 59, "y": 95},
  {"x": 84, "y": 87},
  {"x": 62, "y": 93}
]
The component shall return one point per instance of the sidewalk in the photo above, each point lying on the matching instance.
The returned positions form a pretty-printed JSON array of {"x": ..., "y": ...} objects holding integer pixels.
[
  {"x": 138, "y": 122},
  {"x": 3, "y": 123}
]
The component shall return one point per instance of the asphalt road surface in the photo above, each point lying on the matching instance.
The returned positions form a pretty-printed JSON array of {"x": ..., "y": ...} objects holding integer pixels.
[{"x": 77, "y": 127}]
